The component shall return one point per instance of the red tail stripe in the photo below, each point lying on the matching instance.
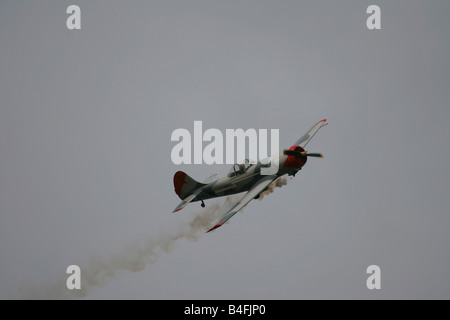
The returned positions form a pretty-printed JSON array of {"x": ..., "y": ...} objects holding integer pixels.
[{"x": 179, "y": 179}]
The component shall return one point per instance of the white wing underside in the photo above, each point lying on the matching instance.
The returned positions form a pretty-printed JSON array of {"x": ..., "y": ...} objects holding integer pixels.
[
  {"x": 303, "y": 141},
  {"x": 257, "y": 188}
]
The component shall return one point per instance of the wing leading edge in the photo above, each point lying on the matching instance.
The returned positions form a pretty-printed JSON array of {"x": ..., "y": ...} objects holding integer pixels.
[
  {"x": 303, "y": 141},
  {"x": 257, "y": 188}
]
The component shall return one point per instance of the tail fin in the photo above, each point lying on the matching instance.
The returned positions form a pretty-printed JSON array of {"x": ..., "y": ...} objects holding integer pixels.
[{"x": 185, "y": 185}]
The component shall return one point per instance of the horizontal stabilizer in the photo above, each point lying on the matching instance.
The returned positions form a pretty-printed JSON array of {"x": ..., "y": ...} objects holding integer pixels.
[
  {"x": 211, "y": 178},
  {"x": 184, "y": 202}
]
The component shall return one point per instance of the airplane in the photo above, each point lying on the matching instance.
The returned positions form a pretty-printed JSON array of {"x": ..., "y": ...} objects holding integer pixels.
[{"x": 245, "y": 177}]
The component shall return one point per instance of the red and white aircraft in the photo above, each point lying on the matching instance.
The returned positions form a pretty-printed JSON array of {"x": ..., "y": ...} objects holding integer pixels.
[{"x": 245, "y": 177}]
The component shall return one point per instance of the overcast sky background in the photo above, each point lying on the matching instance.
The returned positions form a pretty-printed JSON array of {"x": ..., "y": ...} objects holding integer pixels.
[{"x": 86, "y": 119}]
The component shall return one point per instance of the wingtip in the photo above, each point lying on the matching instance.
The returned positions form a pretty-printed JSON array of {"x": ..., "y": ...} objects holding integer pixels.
[
  {"x": 321, "y": 121},
  {"x": 176, "y": 210},
  {"x": 215, "y": 227}
]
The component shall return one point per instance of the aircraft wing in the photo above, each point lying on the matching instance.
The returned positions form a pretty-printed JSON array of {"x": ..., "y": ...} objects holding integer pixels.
[
  {"x": 257, "y": 188},
  {"x": 303, "y": 141}
]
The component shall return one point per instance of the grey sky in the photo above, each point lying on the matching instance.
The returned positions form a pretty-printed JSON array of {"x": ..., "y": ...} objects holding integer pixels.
[{"x": 86, "y": 118}]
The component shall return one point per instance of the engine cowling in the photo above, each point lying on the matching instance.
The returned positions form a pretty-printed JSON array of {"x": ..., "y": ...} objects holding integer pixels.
[{"x": 296, "y": 158}]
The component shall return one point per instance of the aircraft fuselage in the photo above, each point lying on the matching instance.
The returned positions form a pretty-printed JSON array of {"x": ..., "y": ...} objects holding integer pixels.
[{"x": 240, "y": 181}]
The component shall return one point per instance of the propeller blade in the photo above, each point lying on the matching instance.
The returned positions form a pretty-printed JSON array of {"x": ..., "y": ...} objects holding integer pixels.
[
  {"x": 316, "y": 155},
  {"x": 301, "y": 154},
  {"x": 293, "y": 153}
]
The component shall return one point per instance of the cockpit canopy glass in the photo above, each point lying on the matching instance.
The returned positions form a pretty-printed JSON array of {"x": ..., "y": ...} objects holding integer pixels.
[{"x": 239, "y": 168}]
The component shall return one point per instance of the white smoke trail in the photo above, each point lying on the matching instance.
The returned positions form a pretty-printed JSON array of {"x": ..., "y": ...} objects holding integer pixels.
[
  {"x": 137, "y": 256},
  {"x": 278, "y": 183}
]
